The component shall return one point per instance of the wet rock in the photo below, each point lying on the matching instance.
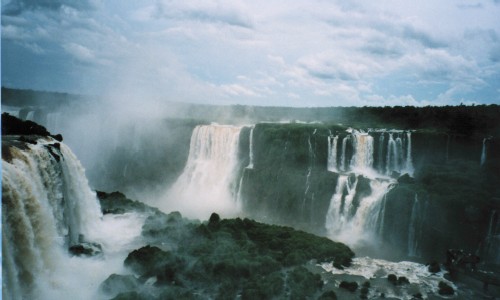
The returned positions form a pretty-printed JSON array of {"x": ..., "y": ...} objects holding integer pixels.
[
  {"x": 406, "y": 178},
  {"x": 86, "y": 249},
  {"x": 350, "y": 286},
  {"x": 445, "y": 289}
]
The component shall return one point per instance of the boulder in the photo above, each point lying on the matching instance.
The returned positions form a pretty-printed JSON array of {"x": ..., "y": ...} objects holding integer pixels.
[{"x": 86, "y": 249}]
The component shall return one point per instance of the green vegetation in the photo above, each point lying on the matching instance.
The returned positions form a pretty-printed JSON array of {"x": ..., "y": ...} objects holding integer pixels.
[{"x": 225, "y": 258}]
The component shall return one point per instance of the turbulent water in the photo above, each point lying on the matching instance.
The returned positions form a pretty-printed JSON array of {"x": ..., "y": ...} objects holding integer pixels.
[
  {"x": 48, "y": 206},
  {"x": 208, "y": 183},
  {"x": 421, "y": 280}
]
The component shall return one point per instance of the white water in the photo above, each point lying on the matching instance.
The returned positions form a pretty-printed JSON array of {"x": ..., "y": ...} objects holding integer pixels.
[
  {"x": 409, "y": 160},
  {"x": 309, "y": 170},
  {"x": 380, "y": 167},
  {"x": 47, "y": 206},
  {"x": 416, "y": 273},
  {"x": 208, "y": 181},
  {"x": 362, "y": 159},
  {"x": 250, "y": 151},
  {"x": 332, "y": 153},
  {"x": 343, "y": 157},
  {"x": 355, "y": 226}
]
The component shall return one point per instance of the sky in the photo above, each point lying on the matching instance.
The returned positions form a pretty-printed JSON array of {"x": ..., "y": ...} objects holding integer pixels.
[{"x": 259, "y": 52}]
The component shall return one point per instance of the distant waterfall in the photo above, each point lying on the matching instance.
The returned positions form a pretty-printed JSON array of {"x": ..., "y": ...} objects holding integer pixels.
[
  {"x": 47, "y": 206},
  {"x": 393, "y": 154},
  {"x": 414, "y": 228},
  {"x": 250, "y": 150},
  {"x": 484, "y": 151},
  {"x": 309, "y": 170},
  {"x": 208, "y": 182},
  {"x": 343, "y": 157},
  {"x": 380, "y": 165},
  {"x": 409, "y": 160},
  {"x": 332, "y": 153},
  {"x": 363, "y": 151}
]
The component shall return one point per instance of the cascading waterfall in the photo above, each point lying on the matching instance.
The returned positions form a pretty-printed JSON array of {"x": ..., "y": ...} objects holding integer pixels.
[
  {"x": 380, "y": 167},
  {"x": 392, "y": 155},
  {"x": 483, "y": 152},
  {"x": 413, "y": 228},
  {"x": 207, "y": 183},
  {"x": 47, "y": 206},
  {"x": 409, "y": 159},
  {"x": 239, "y": 200},
  {"x": 309, "y": 171},
  {"x": 337, "y": 215},
  {"x": 250, "y": 150},
  {"x": 348, "y": 223},
  {"x": 332, "y": 153},
  {"x": 343, "y": 157},
  {"x": 363, "y": 151}
]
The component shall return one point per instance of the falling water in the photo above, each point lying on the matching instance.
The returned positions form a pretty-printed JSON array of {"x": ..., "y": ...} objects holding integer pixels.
[
  {"x": 343, "y": 157},
  {"x": 309, "y": 171},
  {"x": 399, "y": 154},
  {"x": 360, "y": 227},
  {"x": 413, "y": 228},
  {"x": 409, "y": 160},
  {"x": 362, "y": 158},
  {"x": 336, "y": 217},
  {"x": 381, "y": 153},
  {"x": 207, "y": 183},
  {"x": 48, "y": 206},
  {"x": 250, "y": 164},
  {"x": 483, "y": 152},
  {"x": 332, "y": 153}
]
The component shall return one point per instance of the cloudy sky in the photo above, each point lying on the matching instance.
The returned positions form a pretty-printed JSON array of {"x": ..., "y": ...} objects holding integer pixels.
[{"x": 261, "y": 52}]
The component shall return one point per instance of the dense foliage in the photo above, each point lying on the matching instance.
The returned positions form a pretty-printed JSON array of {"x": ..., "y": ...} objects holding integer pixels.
[{"x": 221, "y": 259}]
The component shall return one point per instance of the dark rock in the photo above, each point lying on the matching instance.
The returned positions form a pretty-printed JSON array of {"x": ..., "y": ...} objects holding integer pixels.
[
  {"x": 392, "y": 279},
  {"x": 406, "y": 178},
  {"x": 445, "y": 289},
  {"x": 116, "y": 284},
  {"x": 350, "y": 286},
  {"x": 58, "y": 137},
  {"x": 14, "y": 126},
  {"x": 330, "y": 295},
  {"x": 403, "y": 280},
  {"x": 86, "y": 249},
  {"x": 434, "y": 267},
  {"x": 395, "y": 174}
]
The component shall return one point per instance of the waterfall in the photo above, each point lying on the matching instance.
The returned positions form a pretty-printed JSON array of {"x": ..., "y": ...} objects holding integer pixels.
[
  {"x": 208, "y": 182},
  {"x": 362, "y": 158},
  {"x": 47, "y": 206},
  {"x": 309, "y": 171},
  {"x": 399, "y": 154},
  {"x": 361, "y": 226},
  {"x": 336, "y": 216},
  {"x": 380, "y": 167},
  {"x": 250, "y": 151},
  {"x": 413, "y": 227},
  {"x": 332, "y": 153},
  {"x": 483, "y": 152},
  {"x": 343, "y": 157},
  {"x": 409, "y": 160}
]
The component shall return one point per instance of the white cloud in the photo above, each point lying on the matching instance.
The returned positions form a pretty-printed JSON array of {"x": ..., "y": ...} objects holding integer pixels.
[{"x": 313, "y": 52}]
